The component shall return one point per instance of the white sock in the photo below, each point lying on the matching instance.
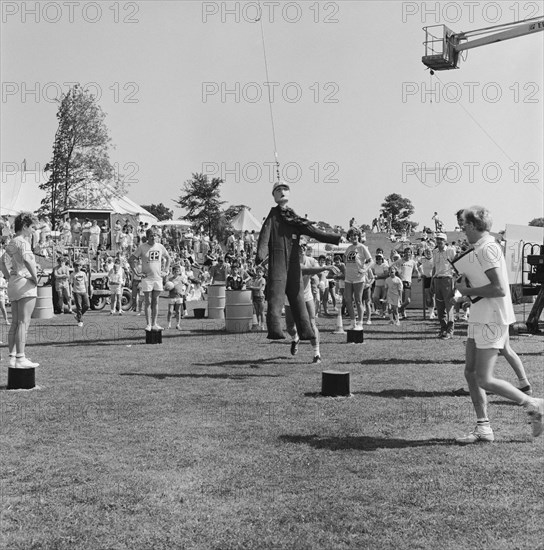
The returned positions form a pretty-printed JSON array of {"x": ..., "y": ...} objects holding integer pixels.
[{"x": 530, "y": 404}]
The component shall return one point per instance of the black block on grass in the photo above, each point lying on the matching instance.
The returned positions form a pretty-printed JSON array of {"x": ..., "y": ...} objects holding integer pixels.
[
  {"x": 153, "y": 336},
  {"x": 334, "y": 383},
  {"x": 355, "y": 336},
  {"x": 21, "y": 379}
]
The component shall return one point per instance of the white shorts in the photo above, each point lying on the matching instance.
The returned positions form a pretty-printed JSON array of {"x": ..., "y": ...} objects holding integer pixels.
[
  {"x": 116, "y": 289},
  {"x": 21, "y": 287},
  {"x": 491, "y": 336},
  {"x": 152, "y": 284},
  {"x": 175, "y": 301}
]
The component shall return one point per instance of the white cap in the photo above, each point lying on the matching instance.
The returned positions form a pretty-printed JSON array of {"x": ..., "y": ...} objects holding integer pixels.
[{"x": 280, "y": 184}]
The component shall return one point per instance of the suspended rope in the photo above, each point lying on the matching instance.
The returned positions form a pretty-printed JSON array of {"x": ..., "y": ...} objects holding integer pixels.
[
  {"x": 260, "y": 20},
  {"x": 505, "y": 153}
]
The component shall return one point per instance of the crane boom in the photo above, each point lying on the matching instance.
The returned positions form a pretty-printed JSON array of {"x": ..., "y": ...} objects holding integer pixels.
[
  {"x": 442, "y": 49},
  {"x": 522, "y": 28}
]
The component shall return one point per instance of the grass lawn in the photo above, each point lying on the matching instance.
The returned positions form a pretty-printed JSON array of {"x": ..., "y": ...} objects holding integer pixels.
[{"x": 222, "y": 441}]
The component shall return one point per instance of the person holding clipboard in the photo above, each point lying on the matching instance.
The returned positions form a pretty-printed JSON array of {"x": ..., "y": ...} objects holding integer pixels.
[{"x": 491, "y": 314}]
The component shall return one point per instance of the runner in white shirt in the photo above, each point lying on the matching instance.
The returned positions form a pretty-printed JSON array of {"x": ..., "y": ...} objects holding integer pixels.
[
  {"x": 309, "y": 267},
  {"x": 151, "y": 254},
  {"x": 488, "y": 329},
  {"x": 357, "y": 263}
]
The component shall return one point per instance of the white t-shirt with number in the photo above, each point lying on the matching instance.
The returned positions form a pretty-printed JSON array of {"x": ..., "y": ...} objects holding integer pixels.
[{"x": 151, "y": 256}]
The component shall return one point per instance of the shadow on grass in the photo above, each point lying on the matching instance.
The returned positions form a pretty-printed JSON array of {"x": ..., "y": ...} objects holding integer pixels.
[
  {"x": 253, "y": 363},
  {"x": 397, "y": 394},
  {"x": 402, "y": 330},
  {"x": 94, "y": 342},
  {"x": 404, "y": 336},
  {"x": 406, "y": 361},
  {"x": 362, "y": 442},
  {"x": 162, "y": 376}
]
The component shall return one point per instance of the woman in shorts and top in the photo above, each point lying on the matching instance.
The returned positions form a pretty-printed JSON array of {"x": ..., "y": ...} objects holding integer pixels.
[
  {"x": 22, "y": 277},
  {"x": 381, "y": 272},
  {"x": 393, "y": 294},
  {"x": 176, "y": 285},
  {"x": 357, "y": 259},
  {"x": 116, "y": 282}
]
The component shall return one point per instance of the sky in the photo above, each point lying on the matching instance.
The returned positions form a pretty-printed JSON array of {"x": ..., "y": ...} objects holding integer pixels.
[{"x": 355, "y": 114}]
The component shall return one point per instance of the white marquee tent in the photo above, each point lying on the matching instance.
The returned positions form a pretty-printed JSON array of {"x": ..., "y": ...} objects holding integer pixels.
[
  {"x": 20, "y": 191},
  {"x": 246, "y": 221}
]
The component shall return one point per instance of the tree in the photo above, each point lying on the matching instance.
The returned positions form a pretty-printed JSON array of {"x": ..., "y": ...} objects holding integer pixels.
[
  {"x": 201, "y": 200},
  {"x": 537, "y": 222},
  {"x": 398, "y": 209},
  {"x": 160, "y": 211},
  {"x": 80, "y": 155}
]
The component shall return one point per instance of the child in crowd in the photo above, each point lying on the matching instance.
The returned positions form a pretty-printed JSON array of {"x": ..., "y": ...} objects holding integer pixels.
[
  {"x": 257, "y": 285},
  {"x": 116, "y": 279},
  {"x": 393, "y": 294},
  {"x": 176, "y": 286},
  {"x": 368, "y": 281},
  {"x": 79, "y": 283},
  {"x": 3, "y": 295}
]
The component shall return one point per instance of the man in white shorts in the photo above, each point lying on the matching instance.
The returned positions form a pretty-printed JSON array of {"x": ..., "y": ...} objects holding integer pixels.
[
  {"x": 490, "y": 318},
  {"x": 151, "y": 253}
]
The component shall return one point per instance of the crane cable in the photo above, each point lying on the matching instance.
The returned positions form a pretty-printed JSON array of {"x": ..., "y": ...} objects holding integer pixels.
[{"x": 260, "y": 20}]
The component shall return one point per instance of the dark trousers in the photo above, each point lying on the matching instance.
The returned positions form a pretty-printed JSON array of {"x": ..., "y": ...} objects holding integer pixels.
[
  {"x": 82, "y": 304},
  {"x": 443, "y": 288}
]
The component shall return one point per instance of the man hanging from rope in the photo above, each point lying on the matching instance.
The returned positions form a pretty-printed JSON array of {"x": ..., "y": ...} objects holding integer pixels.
[{"x": 279, "y": 242}]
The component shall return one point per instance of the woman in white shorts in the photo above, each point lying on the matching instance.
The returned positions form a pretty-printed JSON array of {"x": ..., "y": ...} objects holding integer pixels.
[
  {"x": 357, "y": 257},
  {"x": 22, "y": 287}
]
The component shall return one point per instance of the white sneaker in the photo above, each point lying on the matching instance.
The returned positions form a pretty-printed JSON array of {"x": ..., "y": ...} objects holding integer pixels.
[
  {"x": 178, "y": 327},
  {"x": 12, "y": 360},
  {"x": 25, "y": 363},
  {"x": 156, "y": 327},
  {"x": 536, "y": 412},
  {"x": 432, "y": 316},
  {"x": 148, "y": 328},
  {"x": 397, "y": 322},
  {"x": 80, "y": 324},
  {"x": 169, "y": 325},
  {"x": 358, "y": 326},
  {"x": 369, "y": 322},
  {"x": 478, "y": 435},
  {"x": 352, "y": 326}
]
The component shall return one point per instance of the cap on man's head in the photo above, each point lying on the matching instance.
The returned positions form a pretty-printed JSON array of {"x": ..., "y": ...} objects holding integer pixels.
[
  {"x": 279, "y": 185},
  {"x": 442, "y": 236}
]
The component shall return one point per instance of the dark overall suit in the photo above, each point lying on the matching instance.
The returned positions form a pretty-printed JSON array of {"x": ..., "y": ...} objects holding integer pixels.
[{"x": 279, "y": 241}]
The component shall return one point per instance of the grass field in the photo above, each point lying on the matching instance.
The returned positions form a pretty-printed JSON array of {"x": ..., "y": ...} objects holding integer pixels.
[{"x": 222, "y": 441}]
